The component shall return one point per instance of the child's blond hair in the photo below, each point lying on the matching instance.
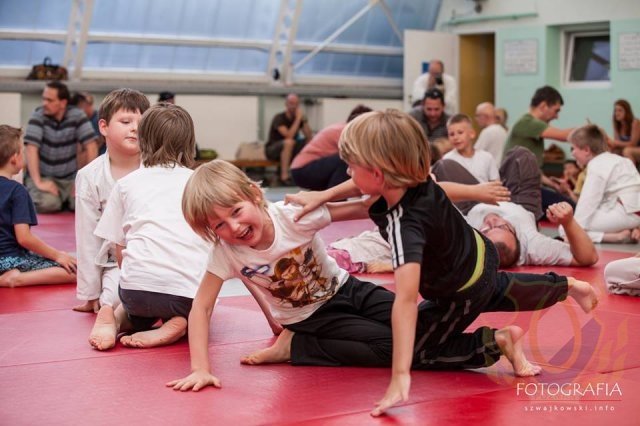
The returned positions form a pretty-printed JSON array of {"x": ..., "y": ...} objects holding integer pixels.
[
  {"x": 10, "y": 143},
  {"x": 391, "y": 141},
  {"x": 122, "y": 99},
  {"x": 166, "y": 136},
  {"x": 217, "y": 183},
  {"x": 589, "y": 136}
]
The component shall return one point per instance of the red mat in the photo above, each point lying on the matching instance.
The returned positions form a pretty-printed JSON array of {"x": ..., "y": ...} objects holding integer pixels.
[{"x": 49, "y": 374}]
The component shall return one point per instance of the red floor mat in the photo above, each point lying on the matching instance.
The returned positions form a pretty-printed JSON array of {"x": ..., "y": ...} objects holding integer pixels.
[{"x": 49, "y": 374}]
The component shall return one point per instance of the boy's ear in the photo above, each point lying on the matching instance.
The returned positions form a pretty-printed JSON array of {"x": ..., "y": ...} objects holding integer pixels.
[
  {"x": 378, "y": 176},
  {"x": 14, "y": 158},
  {"x": 102, "y": 125}
]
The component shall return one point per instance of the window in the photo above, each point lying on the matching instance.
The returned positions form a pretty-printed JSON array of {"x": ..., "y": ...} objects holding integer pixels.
[
  {"x": 588, "y": 58},
  {"x": 218, "y": 40}
]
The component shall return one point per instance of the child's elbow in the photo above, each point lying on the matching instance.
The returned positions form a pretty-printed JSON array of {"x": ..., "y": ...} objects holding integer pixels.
[
  {"x": 592, "y": 260},
  {"x": 23, "y": 239}
]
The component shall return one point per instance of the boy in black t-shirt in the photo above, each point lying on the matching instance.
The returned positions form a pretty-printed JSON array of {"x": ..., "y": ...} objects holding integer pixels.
[{"x": 436, "y": 254}]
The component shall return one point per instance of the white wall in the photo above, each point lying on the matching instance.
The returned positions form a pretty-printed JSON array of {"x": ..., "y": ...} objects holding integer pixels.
[
  {"x": 222, "y": 122},
  {"x": 334, "y": 110},
  {"x": 499, "y": 13},
  {"x": 423, "y": 46},
  {"x": 10, "y": 104}
]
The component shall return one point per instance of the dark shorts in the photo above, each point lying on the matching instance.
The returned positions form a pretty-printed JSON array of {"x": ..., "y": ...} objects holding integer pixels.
[
  {"x": 26, "y": 263},
  {"x": 145, "y": 308},
  {"x": 273, "y": 149}
]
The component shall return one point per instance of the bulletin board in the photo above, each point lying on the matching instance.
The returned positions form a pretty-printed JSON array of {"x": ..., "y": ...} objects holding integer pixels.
[
  {"x": 520, "y": 57},
  {"x": 629, "y": 51}
]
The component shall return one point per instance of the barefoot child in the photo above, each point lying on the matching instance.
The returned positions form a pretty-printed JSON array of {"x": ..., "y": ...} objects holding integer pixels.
[
  {"x": 609, "y": 204},
  {"x": 98, "y": 272},
  {"x": 161, "y": 259},
  {"x": 436, "y": 254},
  {"x": 330, "y": 318},
  {"x": 24, "y": 258}
]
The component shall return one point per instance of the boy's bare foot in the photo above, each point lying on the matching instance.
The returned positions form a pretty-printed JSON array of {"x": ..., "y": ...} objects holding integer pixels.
[
  {"x": 583, "y": 293},
  {"x": 166, "y": 334},
  {"x": 508, "y": 340},
  {"x": 8, "y": 279},
  {"x": 105, "y": 330},
  {"x": 276, "y": 328},
  {"x": 279, "y": 352},
  {"x": 88, "y": 306}
]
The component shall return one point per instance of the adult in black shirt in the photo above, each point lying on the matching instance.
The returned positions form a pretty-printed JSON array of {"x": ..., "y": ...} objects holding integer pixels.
[{"x": 288, "y": 134}]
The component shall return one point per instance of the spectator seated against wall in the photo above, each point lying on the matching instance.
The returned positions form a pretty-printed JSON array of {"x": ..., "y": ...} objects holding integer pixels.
[
  {"x": 318, "y": 166},
  {"x": 288, "y": 134}
]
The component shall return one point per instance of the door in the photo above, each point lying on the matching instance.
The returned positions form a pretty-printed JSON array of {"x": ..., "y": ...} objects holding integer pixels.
[{"x": 476, "y": 82}]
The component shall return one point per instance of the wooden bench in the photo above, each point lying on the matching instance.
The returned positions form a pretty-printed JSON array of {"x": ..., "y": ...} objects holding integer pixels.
[{"x": 244, "y": 164}]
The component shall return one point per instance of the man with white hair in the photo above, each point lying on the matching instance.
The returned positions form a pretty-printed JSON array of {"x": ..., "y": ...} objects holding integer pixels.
[{"x": 493, "y": 136}]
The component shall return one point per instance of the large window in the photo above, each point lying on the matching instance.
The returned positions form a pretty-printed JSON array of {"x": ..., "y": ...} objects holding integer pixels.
[
  {"x": 359, "y": 41},
  {"x": 588, "y": 58}
]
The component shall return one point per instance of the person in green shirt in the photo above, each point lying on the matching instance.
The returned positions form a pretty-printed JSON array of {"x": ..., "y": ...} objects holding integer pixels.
[{"x": 533, "y": 127}]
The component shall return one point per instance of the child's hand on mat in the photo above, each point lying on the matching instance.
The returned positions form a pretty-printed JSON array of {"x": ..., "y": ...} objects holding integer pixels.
[
  {"x": 68, "y": 262},
  {"x": 195, "y": 381},
  {"x": 398, "y": 391}
]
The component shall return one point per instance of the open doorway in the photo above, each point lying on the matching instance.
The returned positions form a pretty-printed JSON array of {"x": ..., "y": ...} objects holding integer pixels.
[{"x": 476, "y": 79}]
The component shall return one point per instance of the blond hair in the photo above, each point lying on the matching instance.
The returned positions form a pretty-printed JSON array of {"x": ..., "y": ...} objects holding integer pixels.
[
  {"x": 166, "y": 136},
  {"x": 122, "y": 99},
  {"x": 217, "y": 183},
  {"x": 391, "y": 141},
  {"x": 10, "y": 143},
  {"x": 589, "y": 136}
]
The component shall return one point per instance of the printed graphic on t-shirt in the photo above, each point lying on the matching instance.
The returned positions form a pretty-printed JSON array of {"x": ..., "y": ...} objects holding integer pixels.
[{"x": 296, "y": 280}]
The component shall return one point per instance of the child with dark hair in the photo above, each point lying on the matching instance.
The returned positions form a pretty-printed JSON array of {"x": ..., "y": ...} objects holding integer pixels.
[{"x": 98, "y": 272}]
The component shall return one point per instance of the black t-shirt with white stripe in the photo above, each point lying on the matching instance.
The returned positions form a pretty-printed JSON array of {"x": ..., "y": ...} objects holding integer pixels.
[{"x": 425, "y": 228}]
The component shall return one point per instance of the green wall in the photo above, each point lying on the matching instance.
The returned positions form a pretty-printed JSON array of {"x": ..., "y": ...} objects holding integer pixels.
[{"x": 514, "y": 92}]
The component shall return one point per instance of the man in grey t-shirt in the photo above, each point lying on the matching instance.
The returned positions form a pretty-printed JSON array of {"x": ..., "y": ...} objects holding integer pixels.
[{"x": 51, "y": 139}]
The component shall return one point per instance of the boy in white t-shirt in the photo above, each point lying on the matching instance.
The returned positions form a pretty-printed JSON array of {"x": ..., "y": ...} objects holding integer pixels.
[
  {"x": 329, "y": 317},
  {"x": 98, "y": 271},
  {"x": 161, "y": 259},
  {"x": 479, "y": 163}
]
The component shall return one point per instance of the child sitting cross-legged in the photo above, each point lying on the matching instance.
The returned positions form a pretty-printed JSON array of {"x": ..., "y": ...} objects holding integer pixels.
[{"x": 24, "y": 258}]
